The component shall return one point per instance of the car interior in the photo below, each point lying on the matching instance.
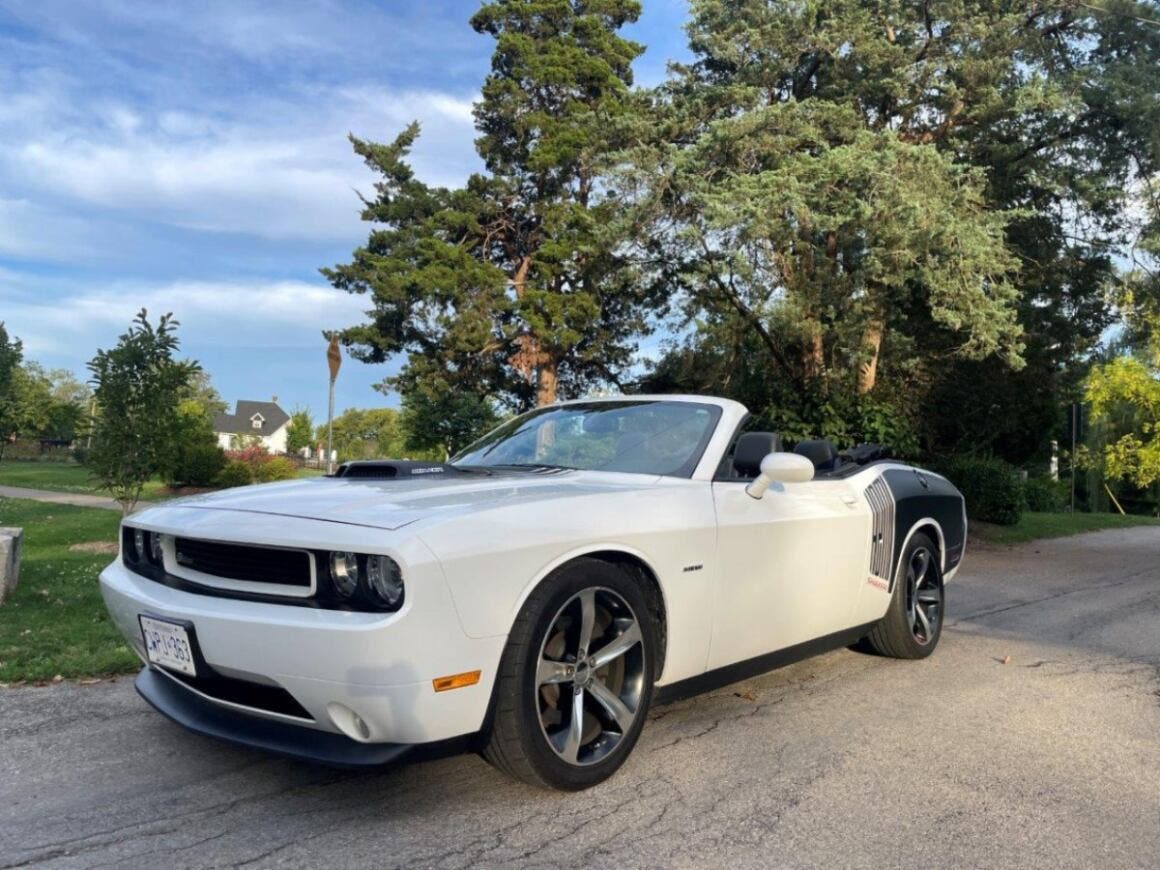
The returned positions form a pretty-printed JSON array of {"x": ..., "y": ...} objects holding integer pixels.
[{"x": 743, "y": 462}]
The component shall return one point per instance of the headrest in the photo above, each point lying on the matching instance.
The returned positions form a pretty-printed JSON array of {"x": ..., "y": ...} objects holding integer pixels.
[
  {"x": 752, "y": 447},
  {"x": 822, "y": 453}
]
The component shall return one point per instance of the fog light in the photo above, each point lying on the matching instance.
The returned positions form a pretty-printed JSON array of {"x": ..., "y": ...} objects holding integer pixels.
[
  {"x": 385, "y": 581},
  {"x": 348, "y": 721},
  {"x": 344, "y": 573}
]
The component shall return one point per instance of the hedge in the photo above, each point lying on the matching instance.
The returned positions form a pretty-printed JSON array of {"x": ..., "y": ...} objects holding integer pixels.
[
  {"x": 1046, "y": 495},
  {"x": 993, "y": 489}
]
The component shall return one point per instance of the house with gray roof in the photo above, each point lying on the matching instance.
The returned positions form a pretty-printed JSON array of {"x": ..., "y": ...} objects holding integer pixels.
[{"x": 264, "y": 421}]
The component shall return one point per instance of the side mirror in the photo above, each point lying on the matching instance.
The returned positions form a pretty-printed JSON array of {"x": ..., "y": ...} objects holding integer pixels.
[{"x": 780, "y": 468}]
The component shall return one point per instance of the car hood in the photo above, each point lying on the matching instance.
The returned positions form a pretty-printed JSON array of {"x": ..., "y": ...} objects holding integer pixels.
[{"x": 394, "y": 503}]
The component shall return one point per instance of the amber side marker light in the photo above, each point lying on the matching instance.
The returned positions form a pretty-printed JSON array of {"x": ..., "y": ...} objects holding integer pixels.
[{"x": 455, "y": 681}]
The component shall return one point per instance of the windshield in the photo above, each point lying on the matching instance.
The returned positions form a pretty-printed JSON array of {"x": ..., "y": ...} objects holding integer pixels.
[{"x": 645, "y": 437}]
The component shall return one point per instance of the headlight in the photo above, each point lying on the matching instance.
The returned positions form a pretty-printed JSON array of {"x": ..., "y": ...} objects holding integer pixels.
[
  {"x": 344, "y": 573},
  {"x": 155, "y": 554},
  {"x": 385, "y": 581}
]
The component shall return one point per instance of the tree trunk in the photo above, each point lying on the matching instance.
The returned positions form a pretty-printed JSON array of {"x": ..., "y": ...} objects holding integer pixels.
[
  {"x": 813, "y": 356},
  {"x": 520, "y": 279},
  {"x": 530, "y": 359},
  {"x": 872, "y": 340},
  {"x": 546, "y": 383}
]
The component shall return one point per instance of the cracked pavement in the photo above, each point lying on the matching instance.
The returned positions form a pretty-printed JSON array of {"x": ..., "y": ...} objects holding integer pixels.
[{"x": 1050, "y": 760}]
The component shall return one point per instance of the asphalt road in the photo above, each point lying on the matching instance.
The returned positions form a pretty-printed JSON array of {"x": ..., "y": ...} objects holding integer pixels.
[{"x": 1051, "y": 759}]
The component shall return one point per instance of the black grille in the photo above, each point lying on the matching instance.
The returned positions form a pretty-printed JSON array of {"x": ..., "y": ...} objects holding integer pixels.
[{"x": 241, "y": 562}]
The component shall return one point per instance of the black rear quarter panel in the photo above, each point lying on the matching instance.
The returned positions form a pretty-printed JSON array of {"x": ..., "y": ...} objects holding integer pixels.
[{"x": 920, "y": 495}]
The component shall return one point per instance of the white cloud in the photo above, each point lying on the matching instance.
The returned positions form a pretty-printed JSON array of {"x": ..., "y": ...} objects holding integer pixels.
[
  {"x": 286, "y": 172},
  {"x": 69, "y": 328}
]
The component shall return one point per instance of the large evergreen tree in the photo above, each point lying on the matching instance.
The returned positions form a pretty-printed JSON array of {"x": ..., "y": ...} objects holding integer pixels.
[
  {"x": 510, "y": 285},
  {"x": 800, "y": 127}
]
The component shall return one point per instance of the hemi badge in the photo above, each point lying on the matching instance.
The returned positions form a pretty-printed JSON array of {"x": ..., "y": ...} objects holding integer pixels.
[{"x": 688, "y": 568}]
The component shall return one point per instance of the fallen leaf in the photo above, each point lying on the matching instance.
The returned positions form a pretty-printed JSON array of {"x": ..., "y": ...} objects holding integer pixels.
[
  {"x": 58, "y": 679},
  {"x": 1006, "y": 660},
  {"x": 745, "y": 696}
]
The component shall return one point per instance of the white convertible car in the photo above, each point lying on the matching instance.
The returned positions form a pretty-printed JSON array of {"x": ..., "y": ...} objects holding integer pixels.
[{"x": 532, "y": 597}]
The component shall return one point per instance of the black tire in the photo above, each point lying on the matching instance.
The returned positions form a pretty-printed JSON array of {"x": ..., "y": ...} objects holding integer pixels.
[
  {"x": 533, "y": 727},
  {"x": 913, "y": 623}
]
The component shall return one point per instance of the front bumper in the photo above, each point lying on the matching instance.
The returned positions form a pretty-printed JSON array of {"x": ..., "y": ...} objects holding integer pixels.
[
  {"x": 380, "y": 666},
  {"x": 202, "y": 716}
]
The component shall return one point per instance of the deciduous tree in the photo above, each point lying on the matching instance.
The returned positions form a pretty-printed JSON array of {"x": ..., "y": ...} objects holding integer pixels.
[
  {"x": 1042, "y": 120},
  {"x": 11, "y": 356},
  {"x": 137, "y": 386},
  {"x": 300, "y": 432},
  {"x": 446, "y": 421}
]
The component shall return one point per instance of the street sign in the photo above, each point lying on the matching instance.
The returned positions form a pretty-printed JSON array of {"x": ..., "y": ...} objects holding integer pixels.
[{"x": 333, "y": 356}]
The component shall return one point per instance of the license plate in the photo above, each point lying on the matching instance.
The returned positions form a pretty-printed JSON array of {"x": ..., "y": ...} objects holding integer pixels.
[{"x": 167, "y": 644}]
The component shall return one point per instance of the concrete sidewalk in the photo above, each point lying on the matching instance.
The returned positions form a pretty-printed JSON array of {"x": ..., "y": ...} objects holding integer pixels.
[{"x": 79, "y": 499}]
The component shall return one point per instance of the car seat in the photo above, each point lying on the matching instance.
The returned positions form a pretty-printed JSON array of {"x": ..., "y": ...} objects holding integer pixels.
[
  {"x": 821, "y": 452},
  {"x": 752, "y": 447}
]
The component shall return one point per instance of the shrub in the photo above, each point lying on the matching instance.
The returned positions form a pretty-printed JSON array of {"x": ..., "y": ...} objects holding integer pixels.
[
  {"x": 1046, "y": 495},
  {"x": 196, "y": 464},
  {"x": 32, "y": 451},
  {"x": 235, "y": 473},
  {"x": 992, "y": 488},
  {"x": 275, "y": 468},
  {"x": 253, "y": 455}
]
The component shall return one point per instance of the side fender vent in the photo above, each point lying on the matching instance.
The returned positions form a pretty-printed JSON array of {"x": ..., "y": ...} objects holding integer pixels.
[{"x": 881, "y": 501}]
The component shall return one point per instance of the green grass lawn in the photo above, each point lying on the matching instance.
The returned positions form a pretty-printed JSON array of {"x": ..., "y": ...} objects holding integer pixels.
[
  {"x": 1041, "y": 525},
  {"x": 55, "y": 621},
  {"x": 64, "y": 477}
]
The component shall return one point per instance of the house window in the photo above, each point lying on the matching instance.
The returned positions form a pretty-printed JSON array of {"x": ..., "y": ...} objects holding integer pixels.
[{"x": 257, "y": 420}]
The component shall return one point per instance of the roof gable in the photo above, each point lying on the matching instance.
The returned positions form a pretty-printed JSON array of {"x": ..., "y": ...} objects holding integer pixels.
[{"x": 241, "y": 422}]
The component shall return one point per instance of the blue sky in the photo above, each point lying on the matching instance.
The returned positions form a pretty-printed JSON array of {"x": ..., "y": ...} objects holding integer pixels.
[{"x": 192, "y": 157}]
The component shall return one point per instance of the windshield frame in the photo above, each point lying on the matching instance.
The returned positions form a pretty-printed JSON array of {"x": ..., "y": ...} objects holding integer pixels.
[{"x": 685, "y": 471}]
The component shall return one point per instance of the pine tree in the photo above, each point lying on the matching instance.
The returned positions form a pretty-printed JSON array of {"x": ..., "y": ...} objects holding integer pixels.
[{"x": 510, "y": 286}]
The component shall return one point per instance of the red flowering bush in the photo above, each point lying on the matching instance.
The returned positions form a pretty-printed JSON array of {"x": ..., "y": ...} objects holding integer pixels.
[{"x": 253, "y": 455}]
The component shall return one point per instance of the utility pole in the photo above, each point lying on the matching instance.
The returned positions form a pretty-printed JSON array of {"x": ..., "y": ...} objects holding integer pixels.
[
  {"x": 334, "y": 361},
  {"x": 1074, "y": 428}
]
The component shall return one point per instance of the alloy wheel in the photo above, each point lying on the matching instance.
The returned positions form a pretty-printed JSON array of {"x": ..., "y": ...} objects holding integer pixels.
[
  {"x": 590, "y": 676},
  {"x": 924, "y": 596}
]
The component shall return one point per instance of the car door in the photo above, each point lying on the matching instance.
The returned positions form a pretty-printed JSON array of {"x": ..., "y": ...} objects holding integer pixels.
[{"x": 790, "y": 565}]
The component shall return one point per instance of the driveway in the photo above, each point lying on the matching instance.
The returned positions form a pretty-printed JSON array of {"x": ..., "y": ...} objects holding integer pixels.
[{"x": 1030, "y": 739}]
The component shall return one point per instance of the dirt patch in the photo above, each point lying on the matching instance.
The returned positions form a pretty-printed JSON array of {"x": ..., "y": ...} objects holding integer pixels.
[{"x": 108, "y": 548}]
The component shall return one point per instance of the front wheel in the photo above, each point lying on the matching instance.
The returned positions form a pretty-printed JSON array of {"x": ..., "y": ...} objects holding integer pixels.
[
  {"x": 913, "y": 623},
  {"x": 575, "y": 680}
]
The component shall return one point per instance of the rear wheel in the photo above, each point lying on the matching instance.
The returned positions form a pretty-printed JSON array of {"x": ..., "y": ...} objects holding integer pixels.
[
  {"x": 575, "y": 680},
  {"x": 913, "y": 623}
]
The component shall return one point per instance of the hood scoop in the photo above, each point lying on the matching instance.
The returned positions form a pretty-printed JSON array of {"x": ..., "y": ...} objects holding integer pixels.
[{"x": 402, "y": 469}]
